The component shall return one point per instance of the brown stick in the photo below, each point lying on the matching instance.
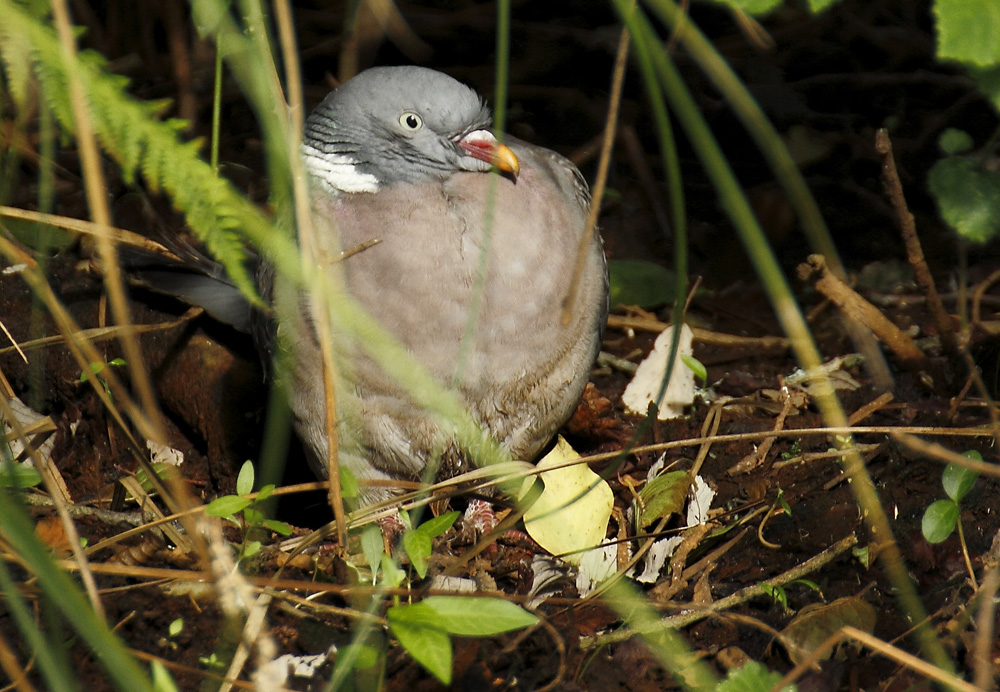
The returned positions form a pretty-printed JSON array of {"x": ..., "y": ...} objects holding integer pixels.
[
  {"x": 860, "y": 310},
  {"x": 914, "y": 251}
]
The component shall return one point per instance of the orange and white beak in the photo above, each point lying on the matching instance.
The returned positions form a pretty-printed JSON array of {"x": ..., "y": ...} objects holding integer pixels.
[{"x": 482, "y": 145}]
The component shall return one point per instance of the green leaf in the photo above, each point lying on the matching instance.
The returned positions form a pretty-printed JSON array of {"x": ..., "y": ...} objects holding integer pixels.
[
  {"x": 279, "y": 527},
  {"x": 777, "y": 594},
  {"x": 366, "y": 657},
  {"x": 953, "y": 141},
  {"x": 372, "y": 547},
  {"x": 419, "y": 547},
  {"x": 438, "y": 525},
  {"x": 392, "y": 575},
  {"x": 967, "y": 31},
  {"x": 14, "y": 475},
  {"x": 754, "y": 7},
  {"x": 175, "y": 627},
  {"x": 939, "y": 520},
  {"x": 817, "y": 6},
  {"x": 253, "y": 517},
  {"x": 429, "y": 646},
  {"x": 752, "y": 677},
  {"x": 968, "y": 197},
  {"x": 162, "y": 471},
  {"x": 988, "y": 81},
  {"x": 404, "y": 517},
  {"x": 349, "y": 487},
  {"x": 695, "y": 366},
  {"x": 642, "y": 283},
  {"x": 95, "y": 369},
  {"x": 958, "y": 480},
  {"x": 251, "y": 549},
  {"x": 476, "y": 616},
  {"x": 244, "y": 482},
  {"x": 782, "y": 502},
  {"x": 265, "y": 492},
  {"x": 465, "y": 616},
  {"x": 809, "y": 584},
  {"x": 663, "y": 496},
  {"x": 226, "y": 506}
]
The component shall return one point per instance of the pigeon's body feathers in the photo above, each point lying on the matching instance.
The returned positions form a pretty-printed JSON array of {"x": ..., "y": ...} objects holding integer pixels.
[{"x": 519, "y": 371}]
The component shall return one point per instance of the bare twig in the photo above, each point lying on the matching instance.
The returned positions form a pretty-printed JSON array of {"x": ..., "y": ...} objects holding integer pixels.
[
  {"x": 982, "y": 661},
  {"x": 871, "y": 407},
  {"x": 977, "y": 296},
  {"x": 856, "y": 308},
  {"x": 914, "y": 251},
  {"x": 704, "y": 336},
  {"x": 691, "y": 616}
]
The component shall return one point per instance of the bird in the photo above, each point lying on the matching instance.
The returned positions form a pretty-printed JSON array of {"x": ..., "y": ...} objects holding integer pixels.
[{"x": 402, "y": 157}]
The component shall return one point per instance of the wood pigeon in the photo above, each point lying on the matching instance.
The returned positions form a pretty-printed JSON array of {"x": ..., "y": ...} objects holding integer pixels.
[{"x": 470, "y": 274}]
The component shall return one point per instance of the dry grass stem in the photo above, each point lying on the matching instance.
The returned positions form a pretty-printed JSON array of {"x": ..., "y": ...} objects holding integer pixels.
[
  {"x": 881, "y": 647},
  {"x": 610, "y": 127},
  {"x": 97, "y": 334},
  {"x": 97, "y": 201}
]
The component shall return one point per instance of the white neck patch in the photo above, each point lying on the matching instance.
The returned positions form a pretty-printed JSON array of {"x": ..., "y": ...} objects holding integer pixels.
[{"x": 337, "y": 171}]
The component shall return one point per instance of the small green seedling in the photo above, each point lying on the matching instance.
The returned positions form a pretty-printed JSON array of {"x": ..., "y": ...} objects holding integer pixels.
[
  {"x": 752, "y": 676},
  {"x": 794, "y": 451},
  {"x": 418, "y": 543},
  {"x": 97, "y": 368},
  {"x": 695, "y": 366},
  {"x": 212, "y": 662},
  {"x": 161, "y": 470},
  {"x": 863, "y": 554},
  {"x": 240, "y": 510},
  {"x": 779, "y": 595},
  {"x": 942, "y": 517},
  {"x": 173, "y": 629},
  {"x": 424, "y": 629}
]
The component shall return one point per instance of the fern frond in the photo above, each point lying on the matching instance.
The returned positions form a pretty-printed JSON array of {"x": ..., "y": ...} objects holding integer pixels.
[{"x": 131, "y": 132}]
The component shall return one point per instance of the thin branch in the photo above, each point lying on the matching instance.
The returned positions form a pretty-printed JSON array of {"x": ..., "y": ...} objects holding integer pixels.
[{"x": 914, "y": 251}]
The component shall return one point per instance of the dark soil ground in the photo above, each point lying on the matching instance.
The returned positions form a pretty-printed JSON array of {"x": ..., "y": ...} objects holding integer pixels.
[{"x": 836, "y": 77}]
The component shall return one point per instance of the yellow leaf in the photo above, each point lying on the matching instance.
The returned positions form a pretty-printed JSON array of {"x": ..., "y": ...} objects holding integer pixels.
[{"x": 573, "y": 511}]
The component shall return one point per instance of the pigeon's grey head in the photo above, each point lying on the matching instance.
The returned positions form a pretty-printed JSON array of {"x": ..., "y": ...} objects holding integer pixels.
[{"x": 393, "y": 125}]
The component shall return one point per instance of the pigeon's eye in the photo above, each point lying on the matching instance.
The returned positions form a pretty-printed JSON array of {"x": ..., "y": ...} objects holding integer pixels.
[{"x": 411, "y": 121}]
